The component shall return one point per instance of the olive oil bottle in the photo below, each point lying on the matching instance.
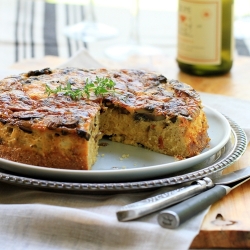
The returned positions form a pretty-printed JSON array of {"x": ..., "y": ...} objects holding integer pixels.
[{"x": 205, "y": 36}]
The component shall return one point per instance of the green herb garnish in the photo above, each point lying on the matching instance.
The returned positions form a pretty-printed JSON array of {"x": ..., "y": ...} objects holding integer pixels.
[{"x": 100, "y": 86}]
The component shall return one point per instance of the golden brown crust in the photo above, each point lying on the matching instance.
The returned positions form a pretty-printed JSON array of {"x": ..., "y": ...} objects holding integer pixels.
[{"x": 147, "y": 100}]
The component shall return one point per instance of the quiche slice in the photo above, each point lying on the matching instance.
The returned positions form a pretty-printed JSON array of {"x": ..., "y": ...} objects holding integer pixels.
[{"x": 50, "y": 118}]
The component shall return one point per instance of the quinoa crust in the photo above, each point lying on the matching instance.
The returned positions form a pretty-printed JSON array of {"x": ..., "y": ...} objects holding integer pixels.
[{"x": 54, "y": 131}]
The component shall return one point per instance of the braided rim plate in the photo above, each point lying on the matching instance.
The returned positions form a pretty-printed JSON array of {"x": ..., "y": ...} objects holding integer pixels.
[{"x": 226, "y": 156}]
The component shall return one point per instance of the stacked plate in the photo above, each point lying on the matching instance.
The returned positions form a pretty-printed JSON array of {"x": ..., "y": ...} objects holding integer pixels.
[{"x": 122, "y": 168}]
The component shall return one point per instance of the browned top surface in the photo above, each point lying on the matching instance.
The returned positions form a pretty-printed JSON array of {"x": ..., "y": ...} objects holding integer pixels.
[{"x": 25, "y": 102}]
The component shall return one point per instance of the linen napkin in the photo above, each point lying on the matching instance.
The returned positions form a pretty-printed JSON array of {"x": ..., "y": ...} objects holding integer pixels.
[{"x": 32, "y": 219}]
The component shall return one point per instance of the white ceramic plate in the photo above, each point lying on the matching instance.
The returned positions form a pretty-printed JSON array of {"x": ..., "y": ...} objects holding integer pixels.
[{"x": 118, "y": 162}]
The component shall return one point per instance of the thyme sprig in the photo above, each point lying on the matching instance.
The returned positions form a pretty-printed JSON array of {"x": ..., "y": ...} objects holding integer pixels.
[{"x": 100, "y": 86}]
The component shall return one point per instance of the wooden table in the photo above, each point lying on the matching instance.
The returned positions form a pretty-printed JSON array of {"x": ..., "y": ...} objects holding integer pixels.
[{"x": 227, "y": 224}]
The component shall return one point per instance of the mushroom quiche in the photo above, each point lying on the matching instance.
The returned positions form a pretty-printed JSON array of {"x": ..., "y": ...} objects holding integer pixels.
[{"x": 55, "y": 118}]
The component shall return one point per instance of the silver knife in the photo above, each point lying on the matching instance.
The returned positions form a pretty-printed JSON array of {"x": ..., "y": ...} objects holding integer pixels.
[
  {"x": 174, "y": 216},
  {"x": 141, "y": 208}
]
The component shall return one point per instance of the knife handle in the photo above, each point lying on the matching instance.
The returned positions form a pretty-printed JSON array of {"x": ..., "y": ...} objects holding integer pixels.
[
  {"x": 140, "y": 208},
  {"x": 174, "y": 216}
]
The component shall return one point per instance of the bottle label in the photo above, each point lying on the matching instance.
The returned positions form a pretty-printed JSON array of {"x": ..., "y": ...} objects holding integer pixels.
[{"x": 199, "y": 31}]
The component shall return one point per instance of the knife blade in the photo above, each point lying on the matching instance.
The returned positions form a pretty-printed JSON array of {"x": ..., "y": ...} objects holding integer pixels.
[
  {"x": 141, "y": 208},
  {"x": 174, "y": 216}
]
